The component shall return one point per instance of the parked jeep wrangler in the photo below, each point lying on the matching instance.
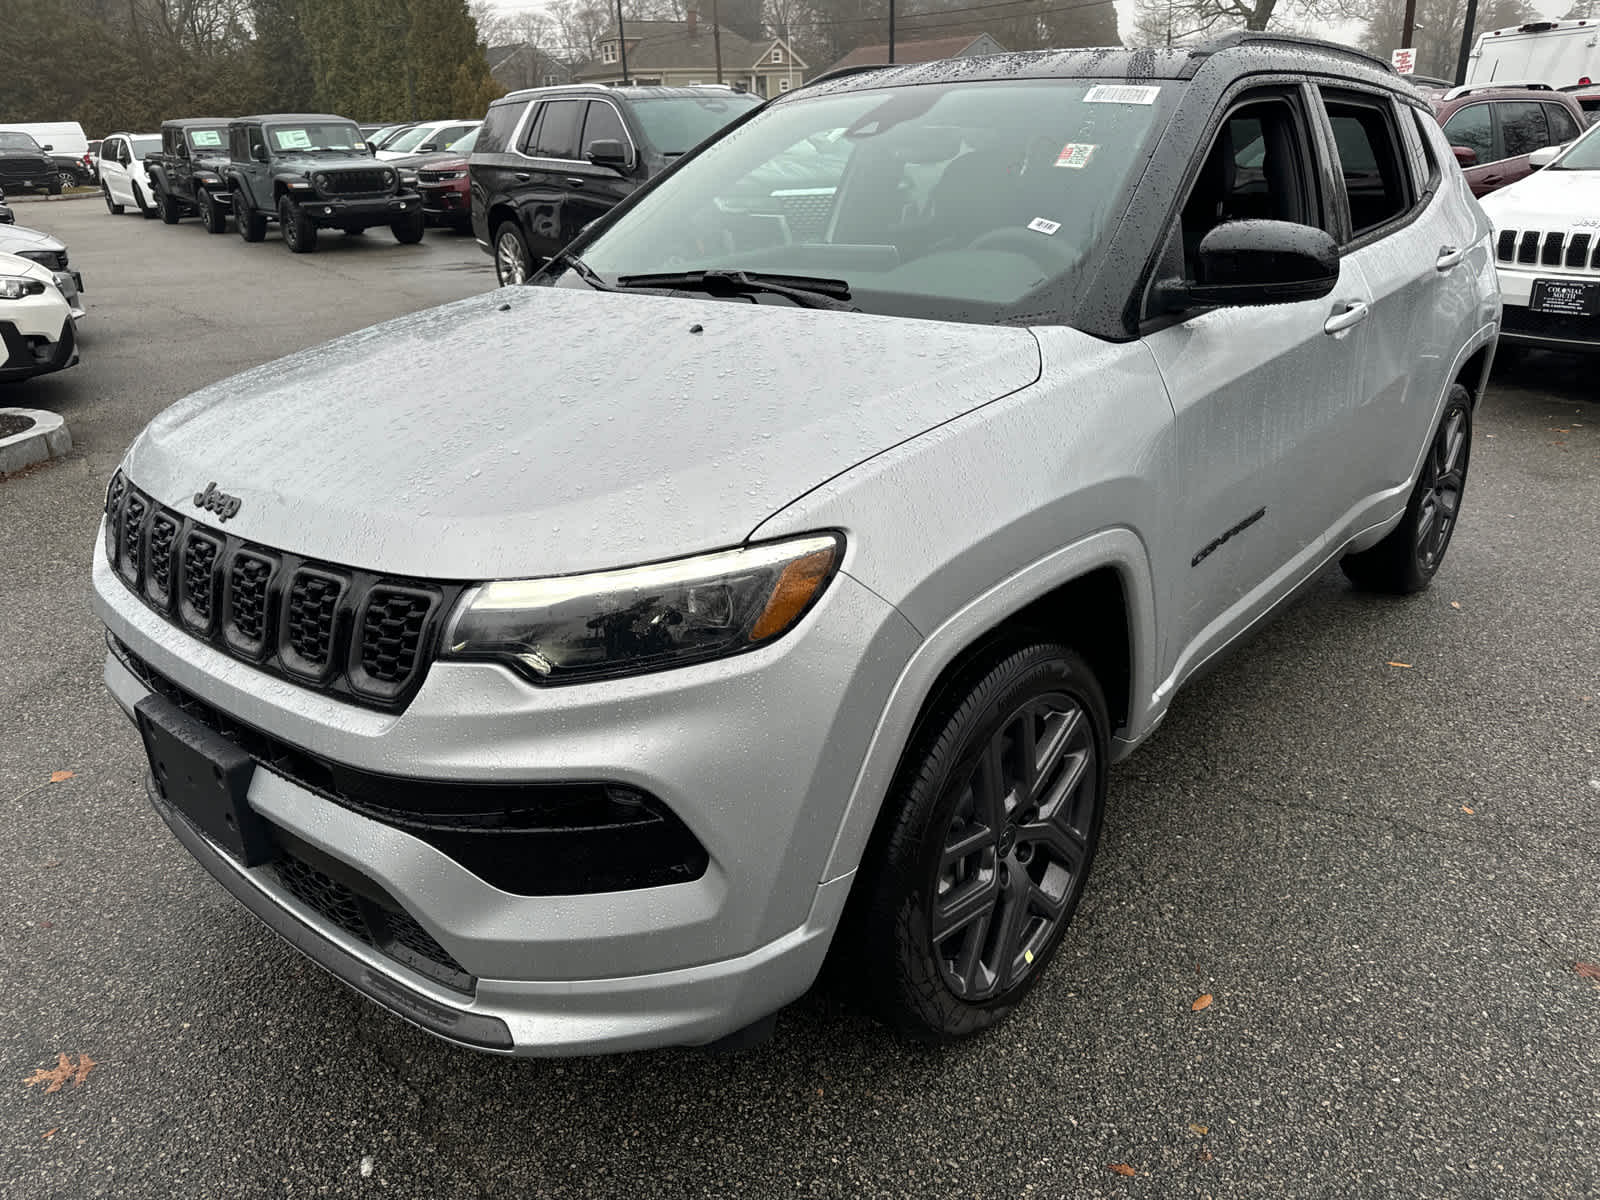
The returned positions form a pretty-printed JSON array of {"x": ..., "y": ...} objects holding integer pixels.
[
  {"x": 310, "y": 172},
  {"x": 190, "y": 174}
]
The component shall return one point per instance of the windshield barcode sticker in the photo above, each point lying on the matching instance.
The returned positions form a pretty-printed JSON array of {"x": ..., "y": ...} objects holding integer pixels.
[
  {"x": 1075, "y": 155},
  {"x": 1040, "y": 225},
  {"x": 1118, "y": 93}
]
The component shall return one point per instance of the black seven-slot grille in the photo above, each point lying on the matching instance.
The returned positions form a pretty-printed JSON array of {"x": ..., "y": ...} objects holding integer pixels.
[
  {"x": 360, "y": 182},
  {"x": 360, "y": 636},
  {"x": 1549, "y": 249}
]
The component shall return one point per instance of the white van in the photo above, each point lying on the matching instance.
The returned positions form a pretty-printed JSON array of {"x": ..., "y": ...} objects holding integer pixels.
[
  {"x": 64, "y": 139},
  {"x": 1560, "y": 53}
]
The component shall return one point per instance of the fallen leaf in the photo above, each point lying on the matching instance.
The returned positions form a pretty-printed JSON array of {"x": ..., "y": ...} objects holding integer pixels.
[
  {"x": 60, "y": 776},
  {"x": 1407, "y": 666},
  {"x": 1455, "y": 604},
  {"x": 1202, "y": 1130},
  {"x": 50, "y": 1133},
  {"x": 1204, "y": 1156},
  {"x": 1122, "y": 1169},
  {"x": 61, "y": 1072},
  {"x": 1587, "y": 970},
  {"x": 52, "y": 864},
  {"x": 1467, "y": 810},
  {"x": 1201, "y": 1002}
]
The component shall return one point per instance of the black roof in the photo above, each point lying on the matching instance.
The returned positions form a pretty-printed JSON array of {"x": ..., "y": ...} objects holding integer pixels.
[
  {"x": 1248, "y": 52},
  {"x": 187, "y": 122},
  {"x": 264, "y": 117}
]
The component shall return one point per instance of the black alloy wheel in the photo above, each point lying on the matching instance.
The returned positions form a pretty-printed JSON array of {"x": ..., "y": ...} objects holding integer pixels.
[
  {"x": 984, "y": 847},
  {"x": 512, "y": 263},
  {"x": 252, "y": 226},
  {"x": 212, "y": 215},
  {"x": 299, "y": 233},
  {"x": 115, "y": 209},
  {"x": 1408, "y": 558}
]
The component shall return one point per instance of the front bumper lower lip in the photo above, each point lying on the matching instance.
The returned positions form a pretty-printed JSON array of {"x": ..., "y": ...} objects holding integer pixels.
[{"x": 332, "y": 210}]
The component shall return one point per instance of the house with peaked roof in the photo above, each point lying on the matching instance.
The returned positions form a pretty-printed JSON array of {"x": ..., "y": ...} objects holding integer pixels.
[
  {"x": 675, "y": 53},
  {"x": 526, "y": 66},
  {"x": 965, "y": 45}
]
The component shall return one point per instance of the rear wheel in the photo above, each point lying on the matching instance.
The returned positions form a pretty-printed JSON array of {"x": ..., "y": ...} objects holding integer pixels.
[
  {"x": 408, "y": 229},
  {"x": 252, "y": 225},
  {"x": 994, "y": 821},
  {"x": 115, "y": 209},
  {"x": 512, "y": 263},
  {"x": 299, "y": 233},
  {"x": 212, "y": 215},
  {"x": 171, "y": 210},
  {"x": 1407, "y": 559}
]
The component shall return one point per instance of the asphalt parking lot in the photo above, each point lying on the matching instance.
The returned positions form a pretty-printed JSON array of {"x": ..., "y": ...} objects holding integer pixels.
[{"x": 1373, "y": 836}]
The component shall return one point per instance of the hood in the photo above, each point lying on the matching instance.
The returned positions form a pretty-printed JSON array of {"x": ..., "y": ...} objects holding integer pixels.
[
  {"x": 1547, "y": 200},
  {"x": 10, "y": 264},
  {"x": 306, "y": 163},
  {"x": 540, "y": 431},
  {"x": 433, "y": 159},
  {"x": 16, "y": 238}
]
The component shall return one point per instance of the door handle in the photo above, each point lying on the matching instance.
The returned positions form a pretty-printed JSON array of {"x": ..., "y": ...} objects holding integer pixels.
[
  {"x": 1449, "y": 256},
  {"x": 522, "y": 176},
  {"x": 1355, "y": 312},
  {"x": 574, "y": 181}
]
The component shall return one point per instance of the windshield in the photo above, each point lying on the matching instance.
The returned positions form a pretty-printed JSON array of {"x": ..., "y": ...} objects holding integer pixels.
[
  {"x": 1584, "y": 155},
  {"x": 316, "y": 135},
  {"x": 149, "y": 144},
  {"x": 677, "y": 124},
  {"x": 387, "y": 134},
  {"x": 208, "y": 140},
  {"x": 938, "y": 200},
  {"x": 412, "y": 138},
  {"x": 17, "y": 141}
]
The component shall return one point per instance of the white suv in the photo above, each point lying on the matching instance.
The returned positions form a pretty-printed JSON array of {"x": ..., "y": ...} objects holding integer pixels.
[
  {"x": 36, "y": 329},
  {"x": 123, "y": 178}
]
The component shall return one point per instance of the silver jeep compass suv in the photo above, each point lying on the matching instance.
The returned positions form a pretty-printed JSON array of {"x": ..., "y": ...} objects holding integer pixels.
[{"x": 782, "y": 576}]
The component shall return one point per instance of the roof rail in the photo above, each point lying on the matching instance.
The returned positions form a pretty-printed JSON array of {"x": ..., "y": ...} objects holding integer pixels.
[
  {"x": 1243, "y": 37},
  {"x": 844, "y": 72},
  {"x": 1501, "y": 85}
]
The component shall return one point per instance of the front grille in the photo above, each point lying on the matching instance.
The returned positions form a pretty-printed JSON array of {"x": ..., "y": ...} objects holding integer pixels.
[
  {"x": 1549, "y": 248},
  {"x": 360, "y": 636},
  {"x": 426, "y": 176},
  {"x": 1528, "y": 251},
  {"x": 1550, "y": 256},
  {"x": 370, "y": 915},
  {"x": 1578, "y": 252},
  {"x": 359, "y": 182},
  {"x": 529, "y": 839},
  {"x": 1506, "y": 247}
]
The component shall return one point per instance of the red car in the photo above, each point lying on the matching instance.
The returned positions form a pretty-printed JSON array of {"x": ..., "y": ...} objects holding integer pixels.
[
  {"x": 1493, "y": 129},
  {"x": 443, "y": 183}
]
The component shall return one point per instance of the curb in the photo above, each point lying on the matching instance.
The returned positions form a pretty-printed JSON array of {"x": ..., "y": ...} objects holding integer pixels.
[
  {"x": 89, "y": 195},
  {"x": 47, "y": 439}
]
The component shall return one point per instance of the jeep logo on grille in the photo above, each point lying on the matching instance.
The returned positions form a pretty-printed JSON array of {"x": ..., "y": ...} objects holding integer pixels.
[{"x": 220, "y": 503}]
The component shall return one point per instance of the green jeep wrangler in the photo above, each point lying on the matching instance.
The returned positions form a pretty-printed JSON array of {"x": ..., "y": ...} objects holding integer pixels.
[{"x": 309, "y": 172}]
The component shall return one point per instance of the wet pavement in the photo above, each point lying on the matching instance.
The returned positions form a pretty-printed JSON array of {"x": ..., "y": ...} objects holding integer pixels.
[{"x": 1384, "y": 874}]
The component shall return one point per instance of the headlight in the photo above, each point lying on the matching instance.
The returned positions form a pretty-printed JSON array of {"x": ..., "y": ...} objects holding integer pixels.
[
  {"x": 15, "y": 287},
  {"x": 580, "y": 627},
  {"x": 388, "y": 177},
  {"x": 320, "y": 180},
  {"x": 408, "y": 179}
]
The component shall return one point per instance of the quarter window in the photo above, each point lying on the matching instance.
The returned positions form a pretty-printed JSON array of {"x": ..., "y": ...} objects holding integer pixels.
[
  {"x": 1375, "y": 182},
  {"x": 1523, "y": 127},
  {"x": 557, "y": 136},
  {"x": 1472, "y": 127}
]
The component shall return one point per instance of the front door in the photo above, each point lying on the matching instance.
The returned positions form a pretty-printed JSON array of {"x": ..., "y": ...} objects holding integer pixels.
[
  {"x": 1262, "y": 395},
  {"x": 592, "y": 190}
]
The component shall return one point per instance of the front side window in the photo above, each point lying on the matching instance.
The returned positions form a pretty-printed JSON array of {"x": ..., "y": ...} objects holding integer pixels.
[
  {"x": 1523, "y": 128},
  {"x": 965, "y": 202},
  {"x": 1375, "y": 181},
  {"x": 602, "y": 123},
  {"x": 1472, "y": 127}
]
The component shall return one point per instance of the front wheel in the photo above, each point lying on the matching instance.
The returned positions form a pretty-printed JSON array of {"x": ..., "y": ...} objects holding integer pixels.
[
  {"x": 53, "y": 185},
  {"x": 212, "y": 214},
  {"x": 112, "y": 207},
  {"x": 299, "y": 234},
  {"x": 252, "y": 225},
  {"x": 512, "y": 263},
  {"x": 408, "y": 229},
  {"x": 1409, "y": 557},
  {"x": 993, "y": 822}
]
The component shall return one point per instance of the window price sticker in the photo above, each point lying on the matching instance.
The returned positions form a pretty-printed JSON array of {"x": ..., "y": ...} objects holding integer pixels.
[
  {"x": 1121, "y": 93},
  {"x": 1075, "y": 155}
]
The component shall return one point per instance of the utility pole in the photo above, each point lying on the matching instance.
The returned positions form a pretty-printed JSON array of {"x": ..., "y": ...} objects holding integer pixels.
[
  {"x": 622, "y": 44},
  {"x": 716, "y": 36},
  {"x": 891, "y": 30},
  {"x": 1408, "y": 27},
  {"x": 1466, "y": 41}
]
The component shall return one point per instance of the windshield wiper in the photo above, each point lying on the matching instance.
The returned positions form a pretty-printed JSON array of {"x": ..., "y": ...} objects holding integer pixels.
[
  {"x": 803, "y": 290},
  {"x": 582, "y": 270}
]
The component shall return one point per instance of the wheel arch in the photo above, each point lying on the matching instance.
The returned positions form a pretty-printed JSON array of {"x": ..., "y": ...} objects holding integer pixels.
[
  {"x": 1474, "y": 373},
  {"x": 1096, "y": 597},
  {"x": 501, "y": 212}
]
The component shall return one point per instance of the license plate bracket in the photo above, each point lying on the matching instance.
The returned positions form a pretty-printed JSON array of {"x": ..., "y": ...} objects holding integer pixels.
[
  {"x": 1566, "y": 297},
  {"x": 205, "y": 777}
]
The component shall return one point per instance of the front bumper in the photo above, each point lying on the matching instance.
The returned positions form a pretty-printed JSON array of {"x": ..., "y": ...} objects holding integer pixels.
[
  {"x": 1520, "y": 325},
  {"x": 381, "y": 210},
  {"x": 447, "y": 204},
  {"x": 757, "y": 755},
  {"x": 37, "y": 337}
]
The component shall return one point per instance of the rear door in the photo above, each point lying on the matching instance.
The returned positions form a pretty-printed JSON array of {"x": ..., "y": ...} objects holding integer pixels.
[
  {"x": 496, "y": 163},
  {"x": 1262, "y": 395},
  {"x": 551, "y": 148},
  {"x": 113, "y": 173}
]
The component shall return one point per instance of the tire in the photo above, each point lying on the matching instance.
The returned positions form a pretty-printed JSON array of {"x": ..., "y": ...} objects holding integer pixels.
[
  {"x": 252, "y": 225},
  {"x": 1409, "y": 557},
  {"x": 115, "y": 209},
  {"x": 53, "y": 187},
  {"x": 409, "y": 229},
  {"x": 299, "y": 234},
  {"x": 970, "y": 884},
  {"x": 512, "y": 262},
  {"x": 212, "y": 214},
  {"x": 167, "y": 204}
]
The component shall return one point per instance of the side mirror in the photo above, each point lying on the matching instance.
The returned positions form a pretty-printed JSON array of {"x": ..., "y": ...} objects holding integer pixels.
[
  {"x": 427, "y": 147},
  {"x": 1465, "y": 156},
  {"x": 608, "y": 152},
  {"x": 1543, "y": 157},
  {"x": 1256, "y": 263},
  {"x": 371, "y": 149},
  {"x": 183, "y": 150},
  {"x": 259, "y": 153},
  {"x": 47, "y": 147}
]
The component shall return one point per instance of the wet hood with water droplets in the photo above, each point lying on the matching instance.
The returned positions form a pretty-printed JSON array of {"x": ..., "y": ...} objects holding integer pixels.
[{"x": 537, "y": 431}]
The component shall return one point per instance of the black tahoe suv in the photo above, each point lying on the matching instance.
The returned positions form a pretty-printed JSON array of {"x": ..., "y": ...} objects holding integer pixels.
[
  {"x": 189, "y": 175},
  {"x": 314, "y": 171},
  {"x": 550, "y": 160}
]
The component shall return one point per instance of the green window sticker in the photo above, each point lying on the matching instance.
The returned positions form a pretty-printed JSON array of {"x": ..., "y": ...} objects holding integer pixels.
[
  {"x": 205, "y": 137},
  {"x": 292, "y": 139}
]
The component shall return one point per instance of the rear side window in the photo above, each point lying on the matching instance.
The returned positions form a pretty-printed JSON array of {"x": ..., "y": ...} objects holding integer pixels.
[
  {"x": 1375, "y": 181},
  {"x": 1473, "y": 128},
  {"x": 498, "y": 127},
  {"x": 558, "y": 130},
  {"x": 1523, "y": 128},
  {"x": 1562, "y": 127}
]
